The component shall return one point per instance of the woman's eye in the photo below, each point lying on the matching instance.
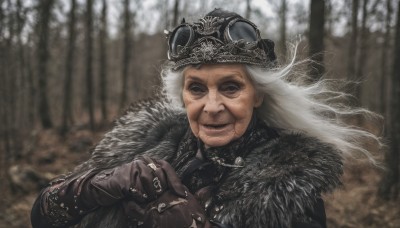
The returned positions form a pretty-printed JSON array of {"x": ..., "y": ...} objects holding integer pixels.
[
  {"x": 196, "y": 88},
  {"x": 230, "y": 87}
]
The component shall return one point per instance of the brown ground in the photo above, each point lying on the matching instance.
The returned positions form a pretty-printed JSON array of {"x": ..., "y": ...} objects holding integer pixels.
[{"x": 354, "y": 205}]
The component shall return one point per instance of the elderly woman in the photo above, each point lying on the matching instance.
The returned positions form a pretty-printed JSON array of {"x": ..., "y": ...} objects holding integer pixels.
[{"x": 232, "y": 143}]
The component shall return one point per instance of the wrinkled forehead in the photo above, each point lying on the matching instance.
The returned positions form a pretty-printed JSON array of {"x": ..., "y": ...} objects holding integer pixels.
[{"x": 217, "y": 70}]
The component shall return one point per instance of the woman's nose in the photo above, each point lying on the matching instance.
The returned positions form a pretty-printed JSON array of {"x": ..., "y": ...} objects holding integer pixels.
[{"x": 213, "y": 104}]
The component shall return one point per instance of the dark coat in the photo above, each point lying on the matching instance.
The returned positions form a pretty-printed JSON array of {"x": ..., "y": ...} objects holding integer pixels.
[{"x": 280, "y": 184}]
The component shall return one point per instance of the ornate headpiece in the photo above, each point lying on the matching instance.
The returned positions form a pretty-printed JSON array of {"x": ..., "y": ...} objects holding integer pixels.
[{"x": 219, "y": 37}]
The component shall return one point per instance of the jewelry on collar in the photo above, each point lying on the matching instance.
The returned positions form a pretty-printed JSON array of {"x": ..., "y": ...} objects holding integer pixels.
[{"x": 239, "y": 162}]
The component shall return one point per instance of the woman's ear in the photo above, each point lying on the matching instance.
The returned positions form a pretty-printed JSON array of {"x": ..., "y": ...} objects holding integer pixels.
[{"x": 259, "y": 98}]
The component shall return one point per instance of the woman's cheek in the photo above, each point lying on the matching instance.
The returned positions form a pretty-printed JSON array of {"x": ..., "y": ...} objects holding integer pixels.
[{"x": 193, "y": 111}]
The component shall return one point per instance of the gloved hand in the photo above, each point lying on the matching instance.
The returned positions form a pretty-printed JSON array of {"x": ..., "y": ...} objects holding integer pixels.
[
  {"x": 67, "y": 199},
  {"x": 141, "y": 180},
  {"x": 169, "y": 210}
]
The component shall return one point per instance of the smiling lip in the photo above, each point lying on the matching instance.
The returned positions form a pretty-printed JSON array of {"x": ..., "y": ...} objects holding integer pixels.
[
  {"x": 212, "y": 129},
  {"x": 214, "y": 126}
]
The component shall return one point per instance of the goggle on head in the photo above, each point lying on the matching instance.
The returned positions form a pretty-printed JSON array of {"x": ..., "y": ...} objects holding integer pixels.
[{"x": 219, "y": 40}]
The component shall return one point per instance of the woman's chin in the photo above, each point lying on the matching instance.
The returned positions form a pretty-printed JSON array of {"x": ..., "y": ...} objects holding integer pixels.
[
  {"x": 215, "y": 137},
  {"x": 215, "y": 141}
]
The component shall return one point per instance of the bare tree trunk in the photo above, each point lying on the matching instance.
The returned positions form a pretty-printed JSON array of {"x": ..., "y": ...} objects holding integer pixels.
[
  {"x": 363, "y": 56},
  {"x": 351, "y": 63},
  {"x": 329, "y": 17},
  {"x": 89, "y": 60},
  {"x": 316, "y": 39},
  {"x": 3, "y": 58},
  {"x": 103, "y": 37},
  {"x": 5, "y": 146},
  {"x": 384, "y": 72},
  {"x": 248, "y": 9},
  {"x": 2, "y": 16},
  {"x": 12, "y": 82},
  {"x": 43, "y": 57},
  {"x": 67, "y": 116},
  {"x": 21, "y": 126},
  {"x": 32, "y": 98},
  {"x": 166, "y": 14},
  {"x": 282, "y": 28},
  {"x": 21, "y": 83},
  {"x": 11, "y": 67},
  {"x": 7, "y": 81},
  {"x": 390, "y": 186},
  {"x": 126, "y": 53},
  {"x": 176, "y": 13}
]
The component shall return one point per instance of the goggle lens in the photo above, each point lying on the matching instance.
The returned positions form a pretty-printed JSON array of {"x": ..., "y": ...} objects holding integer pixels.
[
  {"x": 180, "y": 39},
  {"x": 242, "y": 30}
]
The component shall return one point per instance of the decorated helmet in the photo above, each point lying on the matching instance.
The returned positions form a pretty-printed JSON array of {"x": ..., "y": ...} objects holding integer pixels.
[{"x": 219, "y": 37}]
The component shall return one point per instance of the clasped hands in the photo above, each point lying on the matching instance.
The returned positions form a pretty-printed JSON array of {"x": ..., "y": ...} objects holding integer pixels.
[{"x": 151, "y": 192}]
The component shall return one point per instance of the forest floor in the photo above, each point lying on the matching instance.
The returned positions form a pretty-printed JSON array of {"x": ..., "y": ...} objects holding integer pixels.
[{"x": 355, "y": 204}]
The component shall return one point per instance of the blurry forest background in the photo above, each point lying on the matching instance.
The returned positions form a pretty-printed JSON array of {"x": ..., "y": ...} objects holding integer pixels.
[{"x": 69, "y": 67}]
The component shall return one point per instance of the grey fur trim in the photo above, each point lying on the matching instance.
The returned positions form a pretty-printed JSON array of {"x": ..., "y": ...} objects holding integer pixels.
[{"x": 148, "y": 127}]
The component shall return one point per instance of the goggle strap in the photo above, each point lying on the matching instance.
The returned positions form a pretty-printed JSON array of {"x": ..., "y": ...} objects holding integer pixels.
[{"x": 268, "y": 46}]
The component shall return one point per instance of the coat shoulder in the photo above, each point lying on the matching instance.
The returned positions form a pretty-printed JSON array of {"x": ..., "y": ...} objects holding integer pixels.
[
  {"x": 294, "y": 155},
  {"x": 282, "y": 179},
  {"x": 152, "y": 127}
]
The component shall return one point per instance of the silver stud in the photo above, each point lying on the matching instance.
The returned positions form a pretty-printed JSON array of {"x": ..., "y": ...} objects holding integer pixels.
[
  {"x": 239, "y": 161},
  {"x": 207, "y": 204},
  {"x": 152, "y": 166},
  {"x": 161, "y": 206}
]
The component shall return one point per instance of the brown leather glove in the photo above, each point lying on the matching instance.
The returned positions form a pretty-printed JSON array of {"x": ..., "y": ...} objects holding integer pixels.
[
  {"x": 141, "y": 180},
  {"x": 66, "y": 200},
  {"x": 169, "y": 210}
]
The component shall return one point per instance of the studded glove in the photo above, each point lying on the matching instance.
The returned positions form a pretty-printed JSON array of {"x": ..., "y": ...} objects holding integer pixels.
[
  {"x": 169, "y": 210},
  {"x": 68, "y": 199},
  {"x": 140, "y": 180}
]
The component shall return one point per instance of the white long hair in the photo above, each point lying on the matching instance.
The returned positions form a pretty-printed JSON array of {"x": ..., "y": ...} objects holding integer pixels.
[{"x": 316, "y": 109}]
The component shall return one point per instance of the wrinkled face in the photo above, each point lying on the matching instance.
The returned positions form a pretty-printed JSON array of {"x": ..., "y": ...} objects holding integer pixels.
[{"x": 219, "y": 100}]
